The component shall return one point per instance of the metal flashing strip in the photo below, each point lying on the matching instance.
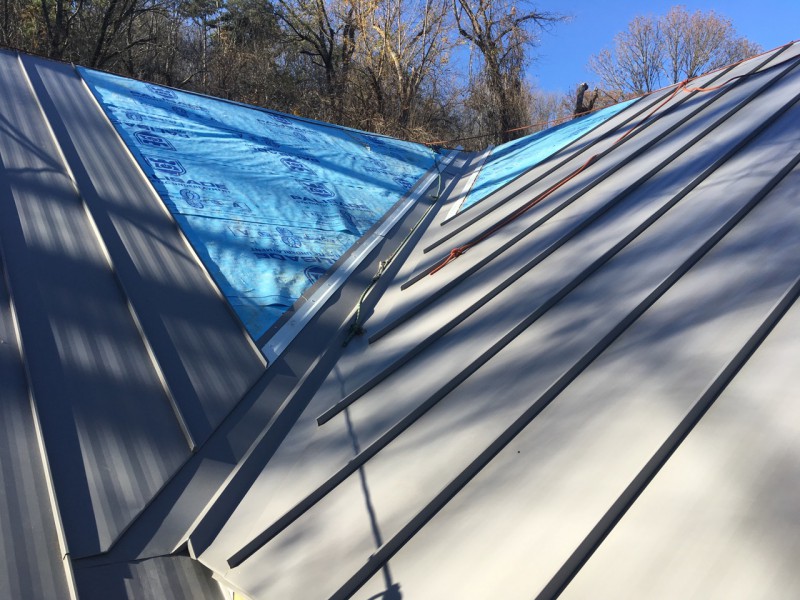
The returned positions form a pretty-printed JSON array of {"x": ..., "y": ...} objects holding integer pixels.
[
  {"x": 278, "y": 343},
  {"x": 206, "y": 526},
  {"x": 381, "y": 556},
  {"x": 229, "y": 494},
  {"x": 639, "y": 127},
  {"x": 582, "y": 276},
  {"x": 468, "y": 184}
]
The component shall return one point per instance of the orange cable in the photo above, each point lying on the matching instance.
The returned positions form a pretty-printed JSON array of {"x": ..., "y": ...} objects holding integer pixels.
[
  {"x": 682, "y": 86},
  {"x": 459, "y": 250}
]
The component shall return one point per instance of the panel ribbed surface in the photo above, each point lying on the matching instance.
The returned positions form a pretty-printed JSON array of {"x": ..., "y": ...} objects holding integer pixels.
[
  {"x": 30, "y": 559},
  {"x": 502, "y": 414}
]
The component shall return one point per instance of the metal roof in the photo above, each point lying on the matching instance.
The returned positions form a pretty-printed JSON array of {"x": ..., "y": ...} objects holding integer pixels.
[
  {"x": 131, "y": 357},
  {"x": 595, "y": 396}
]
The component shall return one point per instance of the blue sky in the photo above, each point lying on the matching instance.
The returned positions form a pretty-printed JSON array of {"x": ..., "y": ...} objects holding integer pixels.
[{"x": 563, "y": 53}]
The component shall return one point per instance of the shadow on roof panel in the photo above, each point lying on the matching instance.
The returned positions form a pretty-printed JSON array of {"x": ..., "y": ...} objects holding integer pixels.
[
  {"x": 108, "y": 429},
  {"x": 734, "y": 478},
  {"x": 30, "y": 562}
]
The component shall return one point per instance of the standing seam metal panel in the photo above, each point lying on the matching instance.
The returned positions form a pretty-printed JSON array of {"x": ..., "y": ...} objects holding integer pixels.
[
  {"x": 207, "y": 359},
  {"x": 110, "y": 436},
  {"x": 30, "y": 561}
]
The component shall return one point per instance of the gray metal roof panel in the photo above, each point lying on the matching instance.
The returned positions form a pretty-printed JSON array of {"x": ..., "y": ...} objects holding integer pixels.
[
  {"x": 271, "y": 405},
  {"x": 552, "y": 235},
  {"x": 138, "y": 276},
  {"x": 337, "y": 320},
  {"x": 667, "y": 226},
  {"x": 545, "y": 372},
  {"x": 30, "y": 557},
  {"x": 174, "y": 577},
  {"x": 206, "y": 357},
  {"x": 556, "y": 479},
  {"x": 722, "y": 512},
  {"x": 119, "y": 307},
  {"x": 81, "y": 345},
  {"x": 547, "y": 343}
]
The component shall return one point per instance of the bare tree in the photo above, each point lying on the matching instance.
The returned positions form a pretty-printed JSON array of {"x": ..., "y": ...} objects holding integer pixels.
[
  {"x": 382, "y": 65},
  {"x": 109, "y": 28},
  {"x": 201, "y": 20},
  {"x": 19, "y": 26},
  {"x": 325, "y": 31},
  {"x": 656, "y": 51},
  {"x": 501, "y": 31},
  {"x": 58, "y": 17},
  {"x": 698, "y": 42},
  {"x": 548, "y": 109},
  {"x": 249, "y": 61},
  {"x": 635, "y": 64},
  {"x": 405, "y": 43}
]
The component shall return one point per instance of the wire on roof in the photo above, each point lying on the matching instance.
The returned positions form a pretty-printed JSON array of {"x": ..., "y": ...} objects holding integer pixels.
[
  {"x": 472, "y": 269},
  {"x": 680, "y": 87},
  {"x": 508, "y": 197},
  {"x": 438, "y": 333},
  {"x": 459, "y": 250},
  {"x": 357, "y": 328}
]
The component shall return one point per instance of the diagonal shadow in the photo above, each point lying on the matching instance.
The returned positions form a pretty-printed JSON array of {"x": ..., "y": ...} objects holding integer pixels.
[{"x": 392, "y": 591}]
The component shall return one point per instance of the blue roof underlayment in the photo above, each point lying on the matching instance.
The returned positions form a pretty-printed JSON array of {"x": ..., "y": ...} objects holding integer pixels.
[
  {"x": 268, "y": 201},
  {"x": 512, "y": 159}
]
